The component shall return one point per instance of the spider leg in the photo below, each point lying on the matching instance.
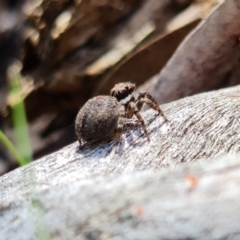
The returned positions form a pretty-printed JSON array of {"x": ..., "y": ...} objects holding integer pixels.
[
  {"x": 133, "y": 108},
  {"x": 77, "y": 130},
  {"x": 129, "y": 113},
  {"x": 145, "y": 97},
  {"x": 140, "y": 103},
  {"x": 131, "y": 123},
  {"x": 119, "y": 128}
]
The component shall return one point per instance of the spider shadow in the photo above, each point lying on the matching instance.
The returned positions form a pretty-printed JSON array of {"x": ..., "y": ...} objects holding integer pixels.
[
  {"x": 101, "y": 149},
  {"x": 157, "y": 126},
  {"x": 96, "y": 149},
  {"x": 133, "y": 137},
  {"x": 140, "y": 134}
]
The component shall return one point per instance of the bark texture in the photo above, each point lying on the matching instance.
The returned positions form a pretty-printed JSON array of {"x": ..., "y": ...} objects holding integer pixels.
[
  {"x": 95, "y": 193},
  {"x": 196, "y": 201},
  {"x": 201, "y": 126}
]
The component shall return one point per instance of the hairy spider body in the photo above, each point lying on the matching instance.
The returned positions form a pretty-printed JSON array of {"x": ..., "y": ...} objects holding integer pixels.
[
  {"x": 104, "y": 117},
  {"x": 132, "y": 102},
  {"x": 98, "y": 119}
]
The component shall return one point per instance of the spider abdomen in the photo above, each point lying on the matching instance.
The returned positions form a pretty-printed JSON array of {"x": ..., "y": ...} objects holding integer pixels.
[{"x": 97, "y": 119}]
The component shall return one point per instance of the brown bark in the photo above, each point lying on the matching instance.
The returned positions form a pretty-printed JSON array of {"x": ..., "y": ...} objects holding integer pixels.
[{"x": 145, "y": 62}]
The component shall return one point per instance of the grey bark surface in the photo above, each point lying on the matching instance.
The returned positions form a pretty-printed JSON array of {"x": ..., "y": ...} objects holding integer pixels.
[
  {"x": 148, "y": 205},
  {"x": 95, "y": 193}
]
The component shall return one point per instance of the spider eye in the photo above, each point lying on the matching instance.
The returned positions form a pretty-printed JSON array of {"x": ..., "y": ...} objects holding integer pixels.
[{"x": 122, "y": 93}]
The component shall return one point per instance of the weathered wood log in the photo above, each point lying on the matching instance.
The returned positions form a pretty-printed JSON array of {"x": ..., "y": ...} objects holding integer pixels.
[
  {"x": 201, "y": 126},
  {"x": 196, "y": 201},
  {"x": 96, "y": 193}
]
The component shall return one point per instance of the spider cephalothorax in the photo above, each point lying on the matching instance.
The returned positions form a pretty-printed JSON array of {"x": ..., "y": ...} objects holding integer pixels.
[
  {"x": 132, "y": 102},
  {"x": 123, "y": 91}
]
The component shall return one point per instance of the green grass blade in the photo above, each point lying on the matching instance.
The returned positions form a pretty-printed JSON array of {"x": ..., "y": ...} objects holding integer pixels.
[
  {"x": 7, "y": 143},
  {"x": 20, "y": 125}
]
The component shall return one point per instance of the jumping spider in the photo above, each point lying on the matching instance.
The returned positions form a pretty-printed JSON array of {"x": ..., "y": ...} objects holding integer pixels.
[{"x": 104, "y": 117}]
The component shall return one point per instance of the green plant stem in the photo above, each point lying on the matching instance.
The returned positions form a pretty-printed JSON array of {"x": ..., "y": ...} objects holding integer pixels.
[
  {"x": 19, "y": 119},
  {"x": 7, "y": 143}
]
